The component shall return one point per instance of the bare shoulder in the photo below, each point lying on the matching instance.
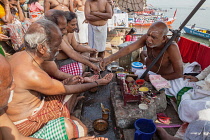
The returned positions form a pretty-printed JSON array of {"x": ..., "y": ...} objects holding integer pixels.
[
  {"x": 25, "y": 73},
  {"x": 173, "y": 47},
  {"x": 174, "y": 53}
]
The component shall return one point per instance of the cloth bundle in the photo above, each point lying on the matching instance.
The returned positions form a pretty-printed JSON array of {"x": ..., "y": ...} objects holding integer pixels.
[
  {"x": 16, "y": 32},
  {"x": 159, "y": 82}
]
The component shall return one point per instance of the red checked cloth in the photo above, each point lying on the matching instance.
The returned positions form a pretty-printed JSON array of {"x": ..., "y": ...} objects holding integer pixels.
[{"x": 72, "y": 68}]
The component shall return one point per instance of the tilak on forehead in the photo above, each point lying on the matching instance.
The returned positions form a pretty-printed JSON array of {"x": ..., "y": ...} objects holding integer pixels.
[{"x": 154, "y": 32}]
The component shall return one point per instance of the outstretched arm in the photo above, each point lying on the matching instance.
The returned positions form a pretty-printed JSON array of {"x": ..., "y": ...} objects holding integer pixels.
[
  {"x": 124, "y": 51},
  {"x": 76, "y": 56},
  {"x": 48, "y": 86},
  {"x": 77, "y": 47},
  {"x": 51, "y": 68}
]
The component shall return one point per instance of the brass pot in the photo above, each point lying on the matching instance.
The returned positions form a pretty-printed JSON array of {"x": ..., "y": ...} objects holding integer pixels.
[{"x": 100, "y": 125}]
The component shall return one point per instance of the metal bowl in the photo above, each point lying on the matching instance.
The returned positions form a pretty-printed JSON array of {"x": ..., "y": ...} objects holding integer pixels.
[
  {"x": 100, "y": 125},
  {"x": 112, "y": 68}
]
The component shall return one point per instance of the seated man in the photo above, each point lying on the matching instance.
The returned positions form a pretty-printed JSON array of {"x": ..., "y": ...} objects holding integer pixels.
[
  {"x": 37, "y": 97},
  {"x": 68, "y": 58},
  {"x": 71, "y": 40},
  {"x": 198, "y": 95},
  {"x": 7, "y": 128},
  {"x": 169, "y": 66}
]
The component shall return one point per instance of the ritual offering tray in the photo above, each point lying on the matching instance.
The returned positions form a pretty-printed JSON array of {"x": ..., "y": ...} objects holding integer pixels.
[
  {"x": 128, "y": 87},
  {"x": 135, "y": 90},
  {"x": 130, "y": 92}
]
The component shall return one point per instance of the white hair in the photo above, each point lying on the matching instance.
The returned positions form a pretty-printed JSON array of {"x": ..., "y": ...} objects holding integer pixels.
[{"x": 34, "y": 39}]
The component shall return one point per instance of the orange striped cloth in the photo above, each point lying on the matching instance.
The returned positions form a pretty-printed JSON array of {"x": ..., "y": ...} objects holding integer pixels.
[{"x": 53, "y": 108}]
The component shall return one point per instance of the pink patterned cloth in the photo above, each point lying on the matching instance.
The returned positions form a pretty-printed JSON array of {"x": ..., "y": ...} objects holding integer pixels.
[
  {"x": 159, "y": 82},
  {"x": 35, "y": 7},
  {"x": 72, "y": 68},
  {"x": 17, "y": 32}
]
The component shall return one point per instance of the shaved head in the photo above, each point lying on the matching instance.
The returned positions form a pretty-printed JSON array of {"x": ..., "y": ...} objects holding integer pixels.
[
  {"x": 157, "y": 34},
  {"x": 161, "y": 27}
]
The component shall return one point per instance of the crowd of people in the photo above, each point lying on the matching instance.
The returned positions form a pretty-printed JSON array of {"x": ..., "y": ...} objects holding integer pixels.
[
  {"x": 53, "y": 62},
  {"x": 45, "y": 68}
]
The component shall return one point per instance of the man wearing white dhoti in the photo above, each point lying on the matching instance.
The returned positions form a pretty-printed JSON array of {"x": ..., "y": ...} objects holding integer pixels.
[
  {"x": 97, "y": 12},
  {"x": 82, "y": 35}
]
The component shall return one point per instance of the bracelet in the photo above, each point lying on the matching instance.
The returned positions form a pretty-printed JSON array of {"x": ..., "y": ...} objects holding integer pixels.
[{"x": 96, "y": 83}]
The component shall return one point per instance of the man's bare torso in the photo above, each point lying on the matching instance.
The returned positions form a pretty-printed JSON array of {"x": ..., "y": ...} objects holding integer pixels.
[
  {"x": 98, "y": 6},
  {"x": 79, "y": 5},
  {"x": 59, "y": 5},
  {"x": 67, "y": 40},
  {"x": 24, "y": 100},
  {"x": 163, "y": 65}
]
